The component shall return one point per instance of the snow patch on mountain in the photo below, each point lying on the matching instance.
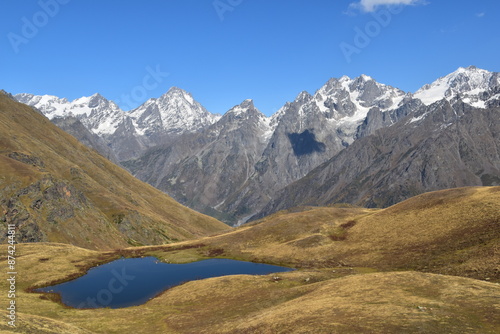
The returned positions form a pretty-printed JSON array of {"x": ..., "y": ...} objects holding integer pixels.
[
  {"x": 98, "y": 114},
  {"x": 175, "y": 112},
  {"x": 467, "y": 83}
]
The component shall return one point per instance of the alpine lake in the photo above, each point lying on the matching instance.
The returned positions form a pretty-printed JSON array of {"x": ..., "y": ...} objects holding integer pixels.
[{"x": 133, "y": 281}]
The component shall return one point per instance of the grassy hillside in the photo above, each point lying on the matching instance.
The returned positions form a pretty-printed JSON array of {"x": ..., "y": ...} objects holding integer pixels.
[
  {"x": 56, "y": 189},
  {"x": 359, "y": 271},
  {"x": 454, "y": 231},
  {"x": 315, "y": 300}
]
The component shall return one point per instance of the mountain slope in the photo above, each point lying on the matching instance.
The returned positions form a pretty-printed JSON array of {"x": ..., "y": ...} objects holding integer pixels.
[
  {"x": 53, "y": 188},
  {"x": 202, "y": 169},
  {"x": 75, "y": 127},
  {"x": 436, "y": 147}
]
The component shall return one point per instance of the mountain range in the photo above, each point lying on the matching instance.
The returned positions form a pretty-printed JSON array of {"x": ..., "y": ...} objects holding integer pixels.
[{"x": 354, "y": 140}]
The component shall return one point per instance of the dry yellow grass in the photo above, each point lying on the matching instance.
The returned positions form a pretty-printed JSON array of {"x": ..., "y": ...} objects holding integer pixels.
[
  {"x": 386, "y": 291},
  {"x": 304, "y": 301},
  {"x": 405, "y": 302},
  {"x": 454, "y": 231}
]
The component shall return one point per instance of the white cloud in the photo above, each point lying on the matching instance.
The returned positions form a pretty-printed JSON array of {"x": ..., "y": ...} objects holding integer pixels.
[
  {"x": 371, "y": 5},
  {"x": 481, "y": 14}
]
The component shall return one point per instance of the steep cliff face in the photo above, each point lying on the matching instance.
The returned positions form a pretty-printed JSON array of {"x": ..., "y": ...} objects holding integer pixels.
[
  {"x": 53, "y": 188},
  {"x": 202, "y": 170},
  {"x": 444, "y": 145}
]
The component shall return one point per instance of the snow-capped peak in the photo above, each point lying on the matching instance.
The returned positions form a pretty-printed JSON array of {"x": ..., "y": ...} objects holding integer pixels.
[
  {"x": 350, "y": 100},
  {"x": 344, "y": 78},
  {"x": 467, "y": 83},
  {"x": 365, "y": 77},
  {"x": 51, "y": 106},
  {"x": 303, "y": 97},
  {"x": 176, "y": 92},
  {"x": 98, "y": 114},
  {"x": 246, "y": 115},
  {"x": 242, "y": 108},
  {"x": 174, "y": 112}
]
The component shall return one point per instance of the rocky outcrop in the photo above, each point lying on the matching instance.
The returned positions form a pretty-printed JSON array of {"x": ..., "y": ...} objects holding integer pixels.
[{"x": 47, "y": 200}]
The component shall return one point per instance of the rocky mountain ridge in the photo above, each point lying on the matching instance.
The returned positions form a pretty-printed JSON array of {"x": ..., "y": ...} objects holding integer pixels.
[
  {"x": 174, "y": 144},
  {"x": 443, "y": 145},
  {"x": 128, "y": 134}
]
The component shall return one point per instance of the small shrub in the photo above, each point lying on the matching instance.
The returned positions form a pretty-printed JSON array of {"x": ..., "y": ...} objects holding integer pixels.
[
  {"x": 348, "y": 225},
  {"x": 338, "y": 234},
  {"x": 215, "y": 252}
]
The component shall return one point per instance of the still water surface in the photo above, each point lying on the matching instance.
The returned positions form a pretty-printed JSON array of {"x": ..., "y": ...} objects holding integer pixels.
[{"x": 129, "y": 282}]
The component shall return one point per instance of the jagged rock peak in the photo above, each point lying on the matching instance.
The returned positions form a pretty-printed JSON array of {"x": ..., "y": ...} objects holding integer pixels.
[
  {"x": 9, "y": 95},
  {"x": 173, "y": 113},
  {"x": 176, "y": 93},
  {"x": 303, "y": 96},
  {"x": 242, "y": 108}
]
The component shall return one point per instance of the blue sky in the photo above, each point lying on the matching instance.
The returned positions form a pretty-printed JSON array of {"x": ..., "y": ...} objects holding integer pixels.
[{"x": 225, "y": 51}]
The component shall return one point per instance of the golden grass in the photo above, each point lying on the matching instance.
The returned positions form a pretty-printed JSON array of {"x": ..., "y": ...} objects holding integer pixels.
[
  {"x": 453, "y": 231},
  {"x": 304, "y": 301},
  {"x": 405, "y": 302},
  {"x": 382, "y": 272}
]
